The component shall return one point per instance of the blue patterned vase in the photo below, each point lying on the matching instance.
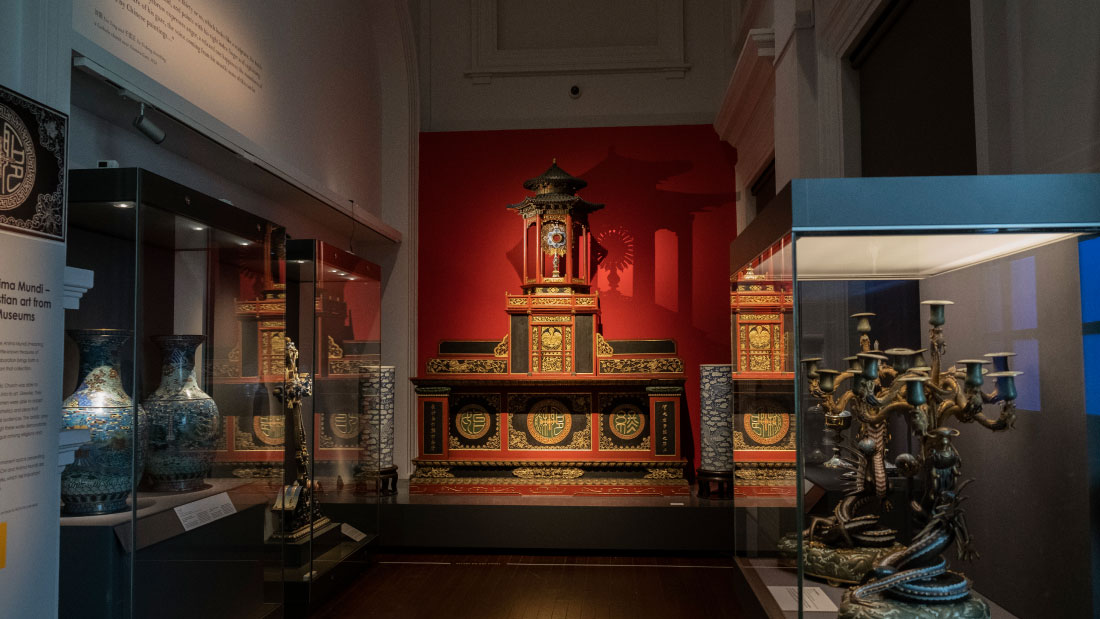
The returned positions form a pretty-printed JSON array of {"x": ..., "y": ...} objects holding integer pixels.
[
  {"x": 100, "y": 478},
  {"x": 183, "y": 420},
  {"x": 716, "y": 417}
]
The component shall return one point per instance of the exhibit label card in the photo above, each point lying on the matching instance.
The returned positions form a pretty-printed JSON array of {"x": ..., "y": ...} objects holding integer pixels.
[
  {"x": 204, "y": 511},
  {"x": 352, "y": 532},
  {"x": 32, "y": 323},
  {"x": 814, "y": 599}
]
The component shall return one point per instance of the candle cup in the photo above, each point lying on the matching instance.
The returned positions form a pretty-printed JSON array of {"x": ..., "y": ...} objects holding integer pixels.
[
  {"x": 974, "y": 371},
  {"x": 1000, "y": 360},
  {"x": 918, "y": 358},
  {"x": 870, "y": 364},
  {"x": 826, "y": 380},
  {"x": 936, "y": 314},
  {"x": 901, "y": 359},
  {"x": 1006, "y": 384},
  {"x": 914, "y": 390},
  {"x": 810, "y": 363},
  {"x": 863, "y": 321},
  {"x": 854, "y": 364}
]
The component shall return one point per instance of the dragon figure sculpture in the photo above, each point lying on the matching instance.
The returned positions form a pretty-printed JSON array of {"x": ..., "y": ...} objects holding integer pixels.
[{"x": 928, "y": 397}]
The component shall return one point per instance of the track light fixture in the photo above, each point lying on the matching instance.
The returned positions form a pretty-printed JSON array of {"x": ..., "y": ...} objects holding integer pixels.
[{"x": 147, "y": 127}]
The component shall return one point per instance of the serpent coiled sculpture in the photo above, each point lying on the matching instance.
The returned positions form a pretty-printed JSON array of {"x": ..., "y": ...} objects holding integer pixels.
[{"x": 897, "y": 382}]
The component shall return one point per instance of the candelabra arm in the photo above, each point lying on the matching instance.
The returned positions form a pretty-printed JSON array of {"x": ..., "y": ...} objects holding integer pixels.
[
  {"x": 946, "y": 411},
  {"x": 887, "y": 375},
  {"x": 892, "y": 393},
  {"x": 991, "y": 398},
  {"x": 1004, "y": 421},
  {"x": 893, "y": 407},
  {"x": 845, "y": 399},
  {"x": 946, "y": 392}
]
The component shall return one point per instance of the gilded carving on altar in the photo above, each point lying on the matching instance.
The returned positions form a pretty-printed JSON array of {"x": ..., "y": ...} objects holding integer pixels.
[
  {"x": 603, "y": 349},
  {"x": 548, "y": 472},
  {"x": 467, "y": 366},
  {"x": 501, "y": 349},
  {"x": 641, "y": 366}
]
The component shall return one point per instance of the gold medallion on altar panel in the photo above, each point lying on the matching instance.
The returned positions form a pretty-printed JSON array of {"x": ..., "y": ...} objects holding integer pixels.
[
  {"x": 626, "y": 421},
  {"x": 766, "y": 424},
  {"x": 551, "y": 338},
  {"x": 760, "y": 337},
  {"x": 269, "y": 429},
  {"x": 344, "y": 425},
  {"x": 549, "y": 422},
  {"x": 473, "y": 421}
]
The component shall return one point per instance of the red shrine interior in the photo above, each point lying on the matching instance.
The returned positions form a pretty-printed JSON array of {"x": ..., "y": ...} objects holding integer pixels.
[{"x": 659, "y": 246}]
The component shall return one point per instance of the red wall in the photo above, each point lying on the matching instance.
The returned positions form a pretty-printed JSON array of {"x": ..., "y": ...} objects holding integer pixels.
[{"x": 666, "y": 228}]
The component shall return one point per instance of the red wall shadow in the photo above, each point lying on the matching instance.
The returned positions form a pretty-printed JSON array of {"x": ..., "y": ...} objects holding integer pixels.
[{"x": 663, "y": 236}]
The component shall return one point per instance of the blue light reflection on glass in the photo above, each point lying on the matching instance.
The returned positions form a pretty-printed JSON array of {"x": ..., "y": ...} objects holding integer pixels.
[
  {"x": 1088, "y": 256},
  {"x": 1027, "y": 384},
  {"x": 1024, "y": 312}
]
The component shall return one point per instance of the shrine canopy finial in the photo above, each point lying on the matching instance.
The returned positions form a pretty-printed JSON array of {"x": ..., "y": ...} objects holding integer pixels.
[{"x": 555, "y": 189}]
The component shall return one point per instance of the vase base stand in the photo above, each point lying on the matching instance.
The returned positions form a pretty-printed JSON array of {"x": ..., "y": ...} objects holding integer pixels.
[{"x": 722, "y": 480}]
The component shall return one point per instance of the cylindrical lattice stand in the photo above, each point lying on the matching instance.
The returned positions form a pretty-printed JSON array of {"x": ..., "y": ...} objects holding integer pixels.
[
  {"x": 715, "y": 431},
  {"x": 376, "y": 467}
]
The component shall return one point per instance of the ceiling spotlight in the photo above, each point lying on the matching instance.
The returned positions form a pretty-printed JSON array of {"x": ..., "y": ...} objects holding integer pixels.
[
  {"x": 243, "y": 243},
  {"x": 198, "y": 228},
  {"x": 148, "y": 128},
  {"x": 122, "y": 205}
]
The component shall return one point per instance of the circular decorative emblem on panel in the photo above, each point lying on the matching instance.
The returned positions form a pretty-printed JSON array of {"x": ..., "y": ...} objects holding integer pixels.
[
  {"x": 553, "y": 236},
  {"x": 549, "y": 422},
  {"x": 473, "y": 422},
  {"x": 626, "y": 421},
  {"x": 551, "y": 338},
  {"x": 767, "y": 423},
  {"x": 344, "y": 425},
  {"x": 17, "y": 160},
  {"x": 760, "y": 336},
  {"x": 270, "y": 429}
]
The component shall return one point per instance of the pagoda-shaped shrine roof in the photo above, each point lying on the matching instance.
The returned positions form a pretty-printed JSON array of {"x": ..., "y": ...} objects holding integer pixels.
[{"x": 555, "y": 189}]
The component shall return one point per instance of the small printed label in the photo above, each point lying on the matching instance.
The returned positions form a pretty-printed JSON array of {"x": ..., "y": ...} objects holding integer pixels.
[
  {"x": 352, "y": 532},
  {"x": 204, "y": 511},
  {"x": 813, "y": 599}
]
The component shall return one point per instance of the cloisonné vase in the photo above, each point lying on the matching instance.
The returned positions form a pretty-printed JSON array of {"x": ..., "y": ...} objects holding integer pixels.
[
  {"x": 183, "y": 420},
  {"x": 105, "y": 469}
]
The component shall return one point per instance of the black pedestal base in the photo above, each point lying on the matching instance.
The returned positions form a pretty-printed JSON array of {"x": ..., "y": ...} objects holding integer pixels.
[
  {"x": 722, "y": 479},
  {"x": 382, "y": 483}
]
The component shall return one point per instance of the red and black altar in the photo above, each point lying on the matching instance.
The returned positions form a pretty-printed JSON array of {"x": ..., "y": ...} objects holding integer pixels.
[{"x": 552, "y": 407}]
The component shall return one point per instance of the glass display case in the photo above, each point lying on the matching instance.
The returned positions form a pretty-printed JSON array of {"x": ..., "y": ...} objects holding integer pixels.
[
  {"x": 203, "y": 489},
  {"x": 334, "y": 299},
  {"x": 945, "y": 335}
]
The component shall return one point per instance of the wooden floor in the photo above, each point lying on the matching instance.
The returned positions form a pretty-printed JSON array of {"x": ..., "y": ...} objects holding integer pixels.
[{"x": 539, "y": 587}]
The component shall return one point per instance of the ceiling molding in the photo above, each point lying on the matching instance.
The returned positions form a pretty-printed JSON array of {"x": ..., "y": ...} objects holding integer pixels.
[
  {"x": 842, "y": 23},
  {"x": 746, "y": 118},
  {"x": 488, "y": 59}
]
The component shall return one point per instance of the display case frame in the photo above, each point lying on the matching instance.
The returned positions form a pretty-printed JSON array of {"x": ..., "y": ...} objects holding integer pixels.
[
  {"x": 983, "y": 220},
  {"x": 169, "y": 260}
]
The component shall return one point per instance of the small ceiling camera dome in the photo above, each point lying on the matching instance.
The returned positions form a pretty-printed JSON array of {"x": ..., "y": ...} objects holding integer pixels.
[{"x": 574, "y": 91}]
